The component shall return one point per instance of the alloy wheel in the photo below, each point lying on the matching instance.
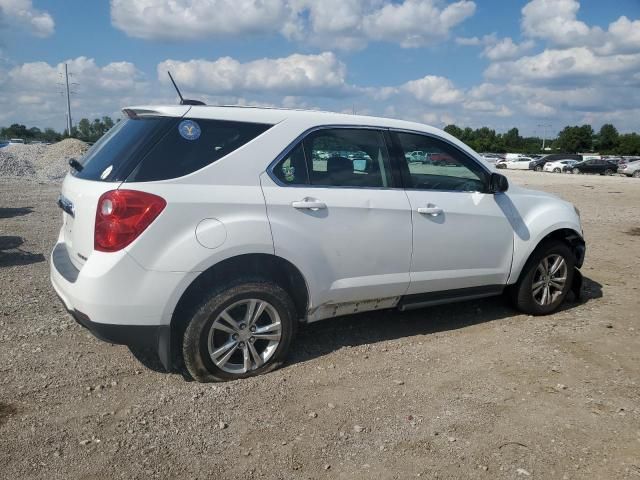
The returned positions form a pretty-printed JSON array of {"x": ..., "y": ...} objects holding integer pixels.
[
  {"x": 244, "y": 336},
  {"x": 549, "y": 279}
]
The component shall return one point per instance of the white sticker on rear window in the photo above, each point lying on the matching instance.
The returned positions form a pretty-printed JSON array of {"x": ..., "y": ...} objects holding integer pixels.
[
  {"x": 189, "y": 130},
  {"x": 106, "y": 172}
]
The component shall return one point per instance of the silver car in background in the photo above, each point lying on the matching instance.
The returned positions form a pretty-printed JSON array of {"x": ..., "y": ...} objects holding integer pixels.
[{"x": 631, "y": 169}]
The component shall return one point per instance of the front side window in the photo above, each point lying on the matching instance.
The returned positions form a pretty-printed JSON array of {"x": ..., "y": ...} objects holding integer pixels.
[
  {"x": 444, "y": 168},
  {"x": 345, "y": 157}
]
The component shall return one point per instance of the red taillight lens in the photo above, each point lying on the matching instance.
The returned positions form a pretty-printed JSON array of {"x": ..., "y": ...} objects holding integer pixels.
[{"x": 122, "y": 215}]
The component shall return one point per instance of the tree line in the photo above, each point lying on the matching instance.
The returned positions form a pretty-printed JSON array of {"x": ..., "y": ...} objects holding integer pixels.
[
  {"x": 85, "y": 130},
  {"x": 571, "y": 139}
]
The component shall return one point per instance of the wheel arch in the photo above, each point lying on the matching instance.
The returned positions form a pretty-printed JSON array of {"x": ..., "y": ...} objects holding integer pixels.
[
  {"x": 566, "y": 234},
  {"x": 254, "y": 265}
]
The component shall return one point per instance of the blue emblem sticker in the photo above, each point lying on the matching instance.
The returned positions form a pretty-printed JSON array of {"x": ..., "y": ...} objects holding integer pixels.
[{"x": 189, "y": 130}]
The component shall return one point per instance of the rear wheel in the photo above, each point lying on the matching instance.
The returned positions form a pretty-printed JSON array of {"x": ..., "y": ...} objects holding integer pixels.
[
  {"x": 545, "y": 279},
  {"x": 239, "y": 331},
  {"x": 556, "y": 170},
  {"x": 575, "y": 171},
  {"x": 608, "y": 171},
  {"x": 636, "y": 174},
  {"x": 538, "y": 168}
]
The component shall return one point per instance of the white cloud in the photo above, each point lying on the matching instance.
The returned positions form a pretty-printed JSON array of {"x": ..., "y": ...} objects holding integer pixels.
[
  {"x": 21, "y": 13},
  {"x": 506, "y": 49},
  {"x": 343, "y": 24},
  {"x": 416, "y": 23},
  {"x": 297, "y": 74},
  {"x": 556, "y": 21},
  {"x": 578, "y": 64},
  {"x": 187, "y": 20},
  {"x": 434, "y": 90},
  {"x": 31, "y": 93}
]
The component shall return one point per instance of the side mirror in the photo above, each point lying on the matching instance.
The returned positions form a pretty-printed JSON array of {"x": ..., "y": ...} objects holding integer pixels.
[{"x": 498, "y": 183}]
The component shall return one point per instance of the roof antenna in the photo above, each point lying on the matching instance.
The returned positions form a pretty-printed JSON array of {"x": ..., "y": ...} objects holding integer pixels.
[{"x": 184, "y": 101}]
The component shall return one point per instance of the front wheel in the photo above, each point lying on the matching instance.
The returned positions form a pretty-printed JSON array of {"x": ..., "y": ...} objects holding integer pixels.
[
  {"x": 608, "y": 172},
  {"x": 556, "y": 170},
  {"x": 636, "y": 174},
  {"x": 239, "y": 331},
  {"x": 575, "y": 171},
  {"x": 538, "y": 168},
  {"x": 545, "y": 279}
]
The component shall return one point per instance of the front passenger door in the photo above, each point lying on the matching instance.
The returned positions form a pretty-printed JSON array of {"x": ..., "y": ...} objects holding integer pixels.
[{"x": 461, "y": 235}]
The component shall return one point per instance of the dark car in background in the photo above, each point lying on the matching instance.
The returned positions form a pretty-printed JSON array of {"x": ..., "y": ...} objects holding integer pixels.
[
  {"x": 595, "y": 165},
  {"x": 538, "y": 164}
]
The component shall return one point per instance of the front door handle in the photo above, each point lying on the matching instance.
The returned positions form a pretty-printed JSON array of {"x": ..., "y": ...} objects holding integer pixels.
[
  {"x": 431, "y": 210},
  {"x": 309, "y": 204}
]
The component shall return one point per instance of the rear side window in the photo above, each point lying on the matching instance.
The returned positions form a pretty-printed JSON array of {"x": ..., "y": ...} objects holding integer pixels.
[
  {"x": 159, "y": 148},
  {"x": 344, "y": 157},
  {"x": 191, "y": 145}
]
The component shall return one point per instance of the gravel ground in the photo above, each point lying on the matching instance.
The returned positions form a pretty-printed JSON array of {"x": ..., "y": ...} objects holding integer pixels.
[{"x": 471, "y": 390}]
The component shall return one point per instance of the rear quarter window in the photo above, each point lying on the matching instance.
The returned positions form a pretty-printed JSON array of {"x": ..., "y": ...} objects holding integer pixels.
[
  {"x": 159, "y": 148},
  {"x": 191, "y": 145}
]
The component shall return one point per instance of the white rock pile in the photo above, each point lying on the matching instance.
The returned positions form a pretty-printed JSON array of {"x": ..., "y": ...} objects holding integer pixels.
[{"x": 40, "y": 162}]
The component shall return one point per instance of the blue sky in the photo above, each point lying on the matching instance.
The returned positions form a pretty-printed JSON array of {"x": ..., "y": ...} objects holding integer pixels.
[{"x": 499, "y": 63}]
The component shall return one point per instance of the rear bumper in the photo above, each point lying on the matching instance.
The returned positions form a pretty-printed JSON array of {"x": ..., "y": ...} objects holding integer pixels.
[
  {"x": 118, "y": 301},
  {"x": 136, "y": 336}
]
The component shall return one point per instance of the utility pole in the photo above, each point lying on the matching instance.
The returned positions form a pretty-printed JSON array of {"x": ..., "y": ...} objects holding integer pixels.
[
  {"x": 66, "y": 78},
  {"x": 544, "y": 132}
]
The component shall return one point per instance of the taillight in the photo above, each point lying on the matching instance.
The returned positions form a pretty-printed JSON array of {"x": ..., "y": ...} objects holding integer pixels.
[{"x": 122, "y": 215}]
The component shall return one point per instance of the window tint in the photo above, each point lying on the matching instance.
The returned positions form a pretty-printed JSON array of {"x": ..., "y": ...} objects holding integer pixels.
[
  {"x": 119, "y": 150},
  {"x": 192, "y": 144},
  {"x": 344, "y": 157},
  {"x": 292, "y": 170},
  {"x": 444, "y": 167}
]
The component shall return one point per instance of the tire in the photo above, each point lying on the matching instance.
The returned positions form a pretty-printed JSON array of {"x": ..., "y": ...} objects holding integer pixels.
[
  {"x": 556, "y": 170},
  {"x": 636, "y": 174},
  {"x": 204, "y": 332},
  {"x": 538, "y": 168},
  {"x": 500, "y": 166},
  {"x": 608, "y": 172},
  {"x": 575, "y": 171},
  {"x": 522, "y": 293}
]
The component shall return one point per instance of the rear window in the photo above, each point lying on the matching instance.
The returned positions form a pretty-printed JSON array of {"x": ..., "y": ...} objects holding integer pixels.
[{"x": 159, "y": 148}]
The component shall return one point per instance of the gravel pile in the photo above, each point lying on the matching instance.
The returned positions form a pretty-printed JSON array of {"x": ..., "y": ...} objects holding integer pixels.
[
  {"x": 42, "y": 162},
  {"x": 12, "y": 165}
]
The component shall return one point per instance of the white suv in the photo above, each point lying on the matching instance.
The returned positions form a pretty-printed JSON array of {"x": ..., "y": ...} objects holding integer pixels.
[{"x": 208, "y": 233}]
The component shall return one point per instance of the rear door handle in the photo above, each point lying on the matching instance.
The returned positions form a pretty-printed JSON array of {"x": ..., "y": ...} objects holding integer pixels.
[
  {"x": 433, "y": 211},
  {"x": 309, "y": 204}
]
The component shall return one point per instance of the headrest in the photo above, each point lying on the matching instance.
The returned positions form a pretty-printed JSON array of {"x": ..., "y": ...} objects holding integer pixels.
[{"x": 339, "y": 165}]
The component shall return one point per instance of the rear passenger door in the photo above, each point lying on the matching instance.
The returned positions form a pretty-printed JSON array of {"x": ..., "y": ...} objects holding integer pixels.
[
  {"x": 461, "y": 235},
  {"x": 335, "y": 215}
]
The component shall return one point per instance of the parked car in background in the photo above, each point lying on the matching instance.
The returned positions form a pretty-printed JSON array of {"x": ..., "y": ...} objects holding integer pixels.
[
  {"x": 16, "y": 141},
  {"x": 492, "y": 157},
  {"x": 538, "y": 164},
  {"x": 557, "y": 166},
  {"x": 207, "y": 234},
  {"x": 416, "y": 156},
  {"x": 517, "y": 163},
  {"x": 631, "y": 169},
  {"x": 594, "y": 165}
]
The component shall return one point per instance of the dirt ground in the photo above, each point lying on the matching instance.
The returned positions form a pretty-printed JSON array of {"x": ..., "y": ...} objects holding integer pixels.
[{"x": 471, "y": 390}]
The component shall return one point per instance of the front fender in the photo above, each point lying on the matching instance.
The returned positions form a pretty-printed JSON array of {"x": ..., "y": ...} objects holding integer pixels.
[{"x": 541, "y": 216}]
